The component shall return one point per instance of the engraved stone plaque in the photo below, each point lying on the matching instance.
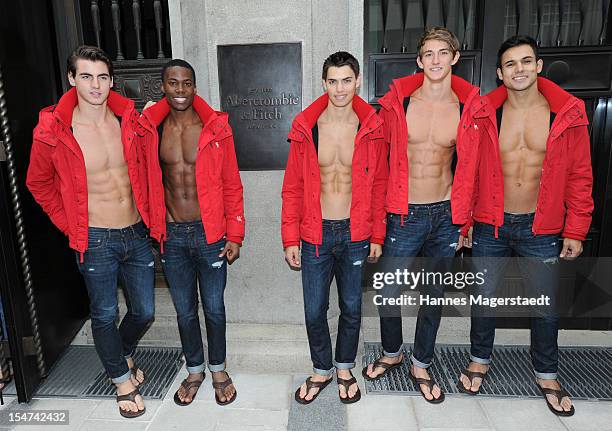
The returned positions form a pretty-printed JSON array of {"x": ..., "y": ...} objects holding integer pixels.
[{"x": 260, "y": 88}]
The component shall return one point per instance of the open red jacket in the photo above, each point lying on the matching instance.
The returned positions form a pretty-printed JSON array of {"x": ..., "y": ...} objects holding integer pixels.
[
  {"x": 564, "y": 199},
  {"x": 217, "y": 176},
  {"x": 396, "y": 132},
  {"x": 301, "y": 213},
  {"x": 57, "y": 177}
]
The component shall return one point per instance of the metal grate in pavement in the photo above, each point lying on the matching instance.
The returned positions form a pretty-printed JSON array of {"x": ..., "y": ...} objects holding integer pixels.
[
  {"x": 79, "y": 374},
  {"x": 583, "y": 371}
]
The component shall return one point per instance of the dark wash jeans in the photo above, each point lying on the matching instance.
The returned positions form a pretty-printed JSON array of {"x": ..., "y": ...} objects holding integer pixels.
[
  {"x": 125, "y": 254},
  {"x": 540, "y": 272},
  {"x": 427, "y": 230},
  {"x": 188, "y": 261},
  {"x": 345, "y": 260}
]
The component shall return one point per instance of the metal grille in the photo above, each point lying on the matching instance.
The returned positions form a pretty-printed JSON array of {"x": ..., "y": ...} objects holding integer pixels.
[
  {"x": 79, "y": 374},
  {"x": 583, "y": 371}
]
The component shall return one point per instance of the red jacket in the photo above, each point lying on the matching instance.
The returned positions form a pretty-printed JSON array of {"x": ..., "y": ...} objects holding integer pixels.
[
  {"x": 564, "y": 199},
  {"x": 57, "y": 177},
  {"x": 396, "y": 132},
  {"x": 301, "y": 213},
  {"x": 217, "y": 176}
]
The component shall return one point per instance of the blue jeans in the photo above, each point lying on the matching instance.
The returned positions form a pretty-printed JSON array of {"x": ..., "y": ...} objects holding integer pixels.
[
  {"x": 541, "y": 275},
  {"x": 188, "y": 260},
  {"x": 125, "y": 254},
  {"x": 338, "y": 257},
  {"x": 426, "y": 230}
]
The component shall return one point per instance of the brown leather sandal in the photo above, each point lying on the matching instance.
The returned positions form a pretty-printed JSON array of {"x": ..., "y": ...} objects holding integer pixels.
[
  {"x": 418, "y": 381},
  {"x": 311, "y": 385},
  {"x": 559, "y": 394},
  {"x": 471, "y": 375},
  {"x": 379, "y": 364},
  {"x": 188, "y": 385},
  {"x": 347, "y": 383},
  {"x": 132, "y": 398},
  {"x": 221, "y": 386},
  {"x": 134, "y": 370}
]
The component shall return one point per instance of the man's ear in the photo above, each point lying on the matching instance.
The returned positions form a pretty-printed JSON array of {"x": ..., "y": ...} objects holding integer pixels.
[
  {"x": 499, "y": 74},
  {"x": 71, "y": 79},
  {"x": 540, "y": 65},
  {"x": 456, "y": 59},
  {"x": 419, "y": 62}
]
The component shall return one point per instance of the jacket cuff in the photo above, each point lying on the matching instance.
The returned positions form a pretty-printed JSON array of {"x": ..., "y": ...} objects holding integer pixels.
[
  {"x": 377, "y": 240},
  {"x": 573, "y": 235},
  {"x": 236, "y": 239},
  {"x": 291, "y": 243}
]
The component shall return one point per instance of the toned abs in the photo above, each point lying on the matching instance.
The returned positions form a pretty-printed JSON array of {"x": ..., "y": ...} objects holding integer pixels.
[
  {"x": 110, "y": 202},
  {"x": 336, "y": 144},
  {"x": 522, "y": 144},
  {"x": 177, "y": 155},
  {"x": 432, "y": 135}
]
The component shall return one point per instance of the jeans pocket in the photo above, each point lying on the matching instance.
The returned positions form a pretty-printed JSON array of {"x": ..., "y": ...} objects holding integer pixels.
[{"x": 96, "y": 241}]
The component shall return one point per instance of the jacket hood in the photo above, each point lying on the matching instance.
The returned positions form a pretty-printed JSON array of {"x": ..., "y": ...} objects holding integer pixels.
[
  {"x": 309, "y": 116},
  {"x": 158, "y": 112},
  {"x": 65, "y": 107}
]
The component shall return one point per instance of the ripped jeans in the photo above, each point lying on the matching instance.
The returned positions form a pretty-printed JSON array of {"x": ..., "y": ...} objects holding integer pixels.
[
  {"x": 188, "y": 260},
  {"x": 123, "y": 254},
  {"x": 336, "y": 257}
]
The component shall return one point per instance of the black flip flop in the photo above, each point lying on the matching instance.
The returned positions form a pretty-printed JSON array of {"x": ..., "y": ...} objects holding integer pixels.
[
  {"x": 188, "y": 385},
  {"x": 418, "y": 381},
  {"x": 310, "y": 385},
  {"x": 471, "y": 375},
  {"x": 379, "y": 364},
  {"x": 221, "y": 386},
  {"x": 347, "y": 383},
  {"x": 559, "y": 394},
  {"x": 132, "y": 398}
]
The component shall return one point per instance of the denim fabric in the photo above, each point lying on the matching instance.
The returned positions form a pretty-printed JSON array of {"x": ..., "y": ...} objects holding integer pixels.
[
  {"x": 336, "y": 257},
  {"x": 188, "y": 261},
  {"x": 426, "y": 230},
  {"x": 540, "y": 272},
  {"x": 125, "y": 254}
]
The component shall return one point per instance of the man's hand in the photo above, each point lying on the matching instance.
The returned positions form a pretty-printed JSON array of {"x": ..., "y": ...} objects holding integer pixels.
[
  {"x": 465, "y": 241},
  {"x": 572, "y": 248},
  {"x": 375, "y": 252},
  {"x": 292, "y": 256},
  {"x": 148, "y": 104},
  {"x": 231, "y": 251}
]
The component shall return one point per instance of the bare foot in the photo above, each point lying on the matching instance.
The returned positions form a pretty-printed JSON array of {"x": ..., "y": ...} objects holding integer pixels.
[
  {"x": 375, "y": 372},
  {"x": 346, "y": 375},
  {"x": 229, "y": 391},
  {"x": 125, "y": 388},
  {"x": 566, "y": 403},
  {"x": 186, "y": 396},
  {"x": 138, "y": 378},
  {"x": 474, "y": 384},
  {"x": 422, "y": 373},
  {"x": 313, "y": 391}
]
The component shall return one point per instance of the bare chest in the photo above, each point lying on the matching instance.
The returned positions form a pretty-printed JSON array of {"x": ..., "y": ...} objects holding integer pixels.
[
  {"x": 336, "y": 145},
  {"x": 101, "y": 146},
  {"x": 179, "y": 146},
  {"x": 524, "y": 131},
  {"x": 432, "y": 123}
]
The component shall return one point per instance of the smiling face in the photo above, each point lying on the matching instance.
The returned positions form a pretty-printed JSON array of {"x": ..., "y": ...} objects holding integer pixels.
[
  {"x": 436, "y": 59},
  {"x": 179, "y": 87},
  {"x": 341, "y": 85},
  {"x": 92, "y": 81},
  {"x": 519, "y": 68}
]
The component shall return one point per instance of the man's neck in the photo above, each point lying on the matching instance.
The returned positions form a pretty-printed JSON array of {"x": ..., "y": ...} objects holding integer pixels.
[
  {"x": 524, "y": 99},
  {"x": 86, "y": 113},
  {"x": 338, "y": 114},
  {"x": 183, "y": 118},
  {"x": 436, "y": 91}
]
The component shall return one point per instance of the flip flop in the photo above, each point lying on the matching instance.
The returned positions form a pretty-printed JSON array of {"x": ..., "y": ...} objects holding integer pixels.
[
  {"x": 221, "y": 386},
  {"x": 379, "y": 364},
  {"x": 471, "y": 375},
  {"x": 135, "y": 370},
  {"x": 188, "y": 385},
  {"x": 132, "y": 398},
  {"x": 559, "y": 394},
  {"x": 347, "y": 383},
  {"x": 418, "y": 381},
  {"x": 310, "y": 385}
]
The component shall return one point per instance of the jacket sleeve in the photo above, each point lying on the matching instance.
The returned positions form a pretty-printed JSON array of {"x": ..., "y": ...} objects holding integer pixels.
[
  {"x": 43, "y": 183},
  {"x": 233, "y": 199},
  {"x": 293, "y": 196},
  {"x": 579, "y": 187},
  {"x": 379, "y": 193}
]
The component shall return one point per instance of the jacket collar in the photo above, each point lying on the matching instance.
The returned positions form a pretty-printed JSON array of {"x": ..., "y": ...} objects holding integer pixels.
[
  {"x": 158, "y": 112},
  {"x": 65, "y": 107},
  {"x": 556, "y": 97},
  {"x": 309, "y": 116}
]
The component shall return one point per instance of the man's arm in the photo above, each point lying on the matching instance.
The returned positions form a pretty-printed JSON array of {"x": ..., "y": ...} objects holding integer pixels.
[
  {"x": 232, "y": 193},
  {"x": 293, "y": 198}
]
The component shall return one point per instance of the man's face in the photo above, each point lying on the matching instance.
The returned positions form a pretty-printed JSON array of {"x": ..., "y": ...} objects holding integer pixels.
[
  {"x": 179, "y": 88},
  {"x": 92, "y": 81},
  {"x": 436, "y": 59},
  {"x": 519, "y": 68},
  {"x": 341, "y": 84}
]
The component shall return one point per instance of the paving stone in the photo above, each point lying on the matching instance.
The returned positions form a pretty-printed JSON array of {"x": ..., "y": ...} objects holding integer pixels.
[
  {"x": 455, "y": 411},
  {"x": 520, "y": 414},
  {"x": 590, "y": 415},
  {"x": 382, "y": 413}
]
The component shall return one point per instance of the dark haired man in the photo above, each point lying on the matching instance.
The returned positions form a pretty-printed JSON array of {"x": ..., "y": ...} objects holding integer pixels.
[
  {"x": 85, "y": 173},
  {"x": 532, "y": 182},
  {"x": 333, "y": 202},
  {"x": 423, "y": 124},
  {"x": 197, "y": 215}
]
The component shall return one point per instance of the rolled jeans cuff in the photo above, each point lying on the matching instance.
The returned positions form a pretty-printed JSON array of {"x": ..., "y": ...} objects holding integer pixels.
[
  {"x": 124, "y": 378},
  {"x": 216, "y": 368},
  {"x": 480, "y": 360},
  {"x": 325, "y": 373},
  {"x": 197, "y": 369},
  {"x": 418, "y": 363},
  {"x": 392, "y": 355},
  {"x": 546, "y": 376},
  {"x": 344, "y": 365}
]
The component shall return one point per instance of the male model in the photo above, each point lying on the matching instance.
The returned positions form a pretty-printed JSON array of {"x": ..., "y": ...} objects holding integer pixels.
[
  {"x": 333, "y": 203},
  {"x": 86, "y": 173}
]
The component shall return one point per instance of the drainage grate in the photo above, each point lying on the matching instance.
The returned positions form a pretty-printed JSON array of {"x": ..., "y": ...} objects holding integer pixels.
[
  {"x": 79, "y": 374},
  {"x": 584, "y": 371}
]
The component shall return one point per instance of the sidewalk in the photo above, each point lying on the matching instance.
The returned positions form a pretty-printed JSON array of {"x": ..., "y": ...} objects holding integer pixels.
[{"x": 265, "y": 403}]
